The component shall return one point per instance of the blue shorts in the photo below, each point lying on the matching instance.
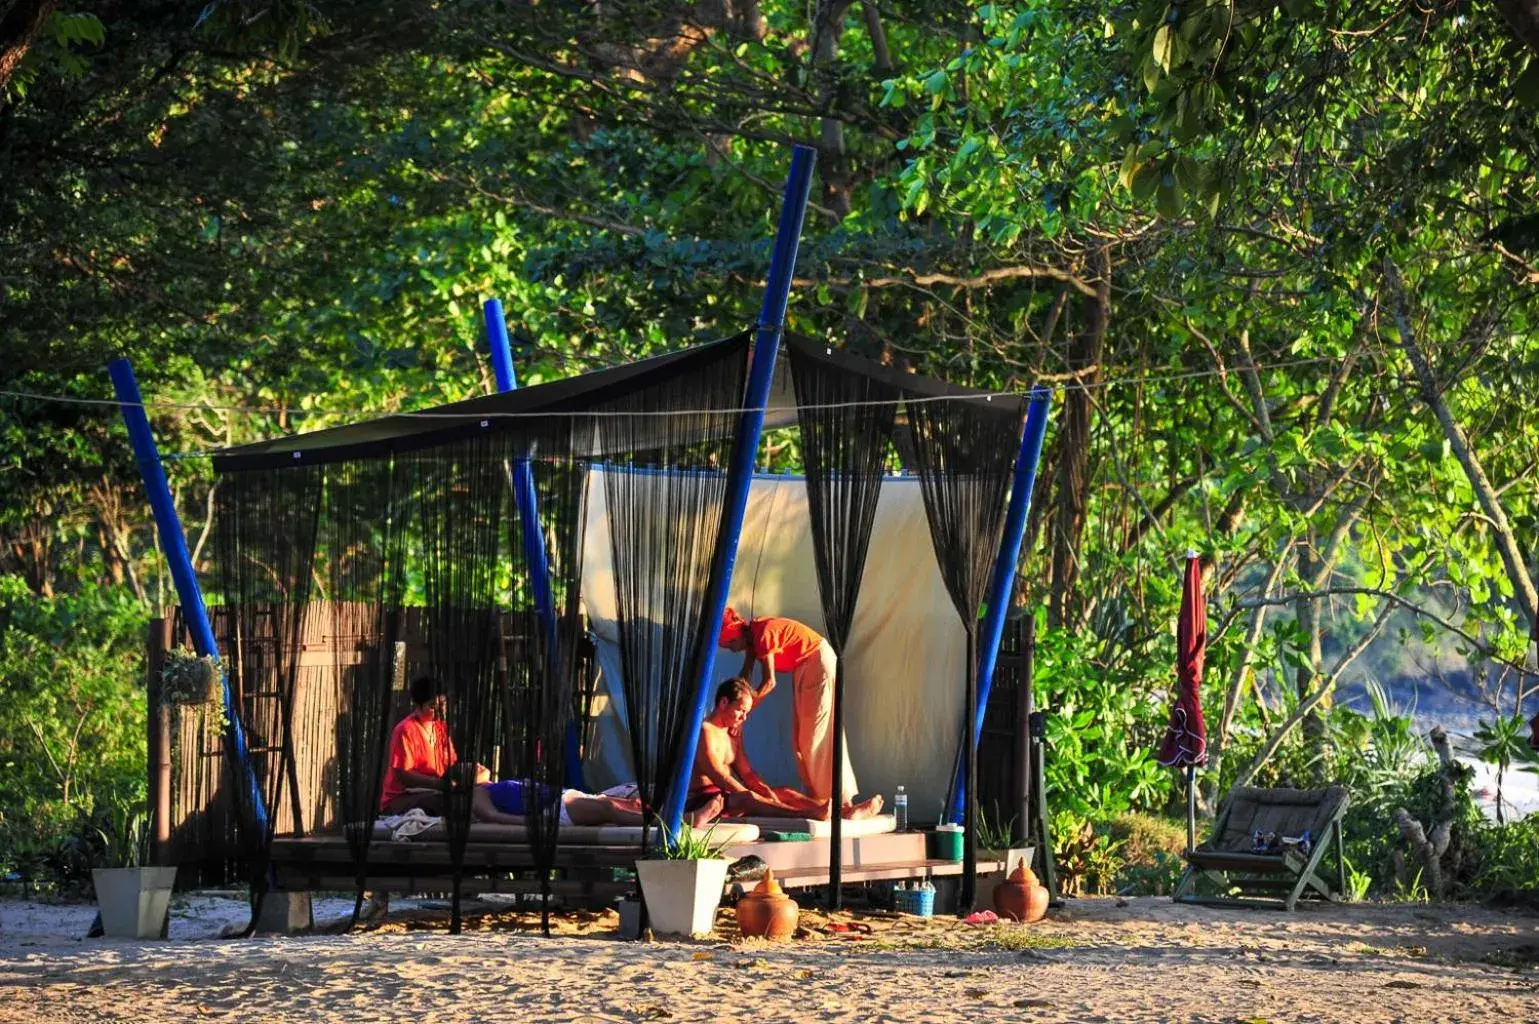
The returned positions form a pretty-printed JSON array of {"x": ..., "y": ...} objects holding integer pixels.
[{"x": 511, "y": 796}]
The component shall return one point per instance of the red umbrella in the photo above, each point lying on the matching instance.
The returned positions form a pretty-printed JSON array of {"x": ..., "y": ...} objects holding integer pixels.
[{"x": 1186, "y": 739}]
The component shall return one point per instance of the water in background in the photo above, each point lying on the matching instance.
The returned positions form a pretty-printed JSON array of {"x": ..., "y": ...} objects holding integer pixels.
[{"x": 1455, "y": 702}]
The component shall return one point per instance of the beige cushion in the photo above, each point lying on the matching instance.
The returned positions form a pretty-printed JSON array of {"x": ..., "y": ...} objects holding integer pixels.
[
  {"x": 875, "y": 826},
  {"x": 576, "y": 835}
]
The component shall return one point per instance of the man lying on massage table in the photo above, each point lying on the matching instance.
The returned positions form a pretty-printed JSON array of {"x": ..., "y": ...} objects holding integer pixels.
[
  {"x": 508, "y": 801},
  {"x": 722, "y": 769}
]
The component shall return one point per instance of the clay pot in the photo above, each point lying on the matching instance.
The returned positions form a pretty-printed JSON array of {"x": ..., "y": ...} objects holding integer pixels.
[
  {"x": 767, "y": 912},
  {"x": 1020, "y": 897}
]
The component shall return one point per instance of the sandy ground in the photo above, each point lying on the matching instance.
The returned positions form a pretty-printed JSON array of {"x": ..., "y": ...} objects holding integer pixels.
[{"x": 1097, "y": 960}]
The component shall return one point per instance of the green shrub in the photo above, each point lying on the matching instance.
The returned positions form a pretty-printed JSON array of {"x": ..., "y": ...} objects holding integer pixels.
[
  {"x": 73, "y": 745},
  {"x": 1152, "y": 850},
  {"x": 1104, "y": 723},
  {"x": 1506, "y": 861},
  {"x": 1088, "y": 858}
]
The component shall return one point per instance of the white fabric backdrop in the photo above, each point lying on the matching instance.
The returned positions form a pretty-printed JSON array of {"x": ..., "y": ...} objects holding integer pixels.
[{"x": 903, "y": 667}]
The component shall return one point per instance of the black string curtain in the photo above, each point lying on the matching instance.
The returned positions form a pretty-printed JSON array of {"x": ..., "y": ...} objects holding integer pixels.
[
  {"x": 463, "y": 503},
  {"x": 430, "y": 518},
  {"x": 368, "y": 513},
  {"x": 846, "y": 422},
  {"x": 964, "y": 451},
  {"x": 439, "y": 526},
  {"x": 665, "y": 482},
  {"x": 265, "y": 550},
  {"x": 538, "y": 686}
]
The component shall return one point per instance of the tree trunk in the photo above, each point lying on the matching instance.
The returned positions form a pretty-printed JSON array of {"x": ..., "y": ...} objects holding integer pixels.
[
  {"x": 882, "y": 56},
  {"x": 1523, "y": 18},
  {"x": 19, "y": 28},
  {"x": 1239, "y": 681},
  {"x": 1307, "y": 610},
  {"x": 1459, "y": 443},
  {"x": 833, "y": 166},
  {"x": 1073, "y": 485}
]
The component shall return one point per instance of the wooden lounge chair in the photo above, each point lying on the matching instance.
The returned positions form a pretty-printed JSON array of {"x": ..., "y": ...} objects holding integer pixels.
[{"x": 1262, "y": 879}]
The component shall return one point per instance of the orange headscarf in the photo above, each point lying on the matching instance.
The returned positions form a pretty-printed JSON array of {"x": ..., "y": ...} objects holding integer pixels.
[{"x": 733, "y": 626}]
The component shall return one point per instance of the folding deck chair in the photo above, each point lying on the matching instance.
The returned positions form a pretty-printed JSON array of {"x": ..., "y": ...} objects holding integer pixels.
[{"x": 1229, "y": 858}]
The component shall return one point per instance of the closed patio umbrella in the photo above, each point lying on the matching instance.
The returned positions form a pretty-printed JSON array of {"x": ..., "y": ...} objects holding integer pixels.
[{"x": 1186, "y": 739}]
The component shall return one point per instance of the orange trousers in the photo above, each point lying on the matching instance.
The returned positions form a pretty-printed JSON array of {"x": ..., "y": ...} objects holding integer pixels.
[{"x": 812, "y": 726}]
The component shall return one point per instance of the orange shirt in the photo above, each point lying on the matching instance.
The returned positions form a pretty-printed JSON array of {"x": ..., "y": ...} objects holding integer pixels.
[
  {"x": 417, "y": 746},
  {"x": 784, "y": 643}
]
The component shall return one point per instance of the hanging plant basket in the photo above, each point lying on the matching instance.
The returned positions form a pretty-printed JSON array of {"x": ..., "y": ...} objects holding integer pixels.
[{"x": 190, "y": 679}]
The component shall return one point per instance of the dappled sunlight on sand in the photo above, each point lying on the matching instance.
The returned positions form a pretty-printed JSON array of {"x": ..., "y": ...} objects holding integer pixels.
[{"x": 1097, "y": 960}]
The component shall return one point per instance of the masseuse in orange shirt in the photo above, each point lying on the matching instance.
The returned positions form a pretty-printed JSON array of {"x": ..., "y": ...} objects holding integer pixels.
[
  {"x": 785, "y": 645},
  {"x": 421, "y": 754}
]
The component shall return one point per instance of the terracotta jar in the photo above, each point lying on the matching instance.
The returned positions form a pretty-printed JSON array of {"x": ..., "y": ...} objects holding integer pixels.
[
  {"x": 767, "y": 912},
  {"x": 1020, "y": 897}
]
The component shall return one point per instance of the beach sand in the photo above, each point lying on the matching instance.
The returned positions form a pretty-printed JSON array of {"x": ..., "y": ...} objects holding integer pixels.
[{"x": 1097, "y": 960}]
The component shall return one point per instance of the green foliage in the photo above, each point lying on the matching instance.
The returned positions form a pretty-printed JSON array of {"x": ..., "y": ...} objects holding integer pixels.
[
  {"x": 74, "y": 706},
  {"x": 1508, "y": 859},
  {"x": 1089, "y": 859},
  {"x": 125, "y": 839},
  {"x": 689, "y": 843},
  {"x": 1153, "y": 851},
  {"x": 994, "y": 834},
  {"x": 1106, "y": 721},
  {"x": 1359, "y": 883},
  {"x": 286, "y": 214}
]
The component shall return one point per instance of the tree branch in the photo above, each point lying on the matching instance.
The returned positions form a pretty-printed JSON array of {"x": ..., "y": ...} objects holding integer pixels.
[
  {"x": 20, "y": 26},
  {"x": 1309, "y": 703},
  {"x": 1480, "y": 645}
]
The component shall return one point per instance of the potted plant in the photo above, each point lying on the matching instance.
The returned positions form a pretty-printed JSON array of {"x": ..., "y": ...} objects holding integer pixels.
[
  {"x": 682, "y": 886},
  {"x": 997, "y": 843},
  {"x": 132, "y": 897},
  {"x": 188, "y": 678}
]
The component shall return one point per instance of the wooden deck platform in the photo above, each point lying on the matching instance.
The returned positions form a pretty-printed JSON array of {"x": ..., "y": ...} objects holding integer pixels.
[{"x": 589, "y": 874}]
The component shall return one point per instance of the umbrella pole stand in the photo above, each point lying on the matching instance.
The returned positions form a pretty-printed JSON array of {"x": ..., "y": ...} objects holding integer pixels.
[
  {"x": 1191, "y": 808},
  {"x": 1044, "y": 828}
]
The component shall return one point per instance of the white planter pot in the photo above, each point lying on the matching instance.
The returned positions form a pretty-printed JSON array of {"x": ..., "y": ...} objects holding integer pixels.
[
  {"x": 682, "y": 895},
  {"x": 991, "y": 881},
  {"x": 133, "y": 901},
  {"x": 1015, "y": 855}
]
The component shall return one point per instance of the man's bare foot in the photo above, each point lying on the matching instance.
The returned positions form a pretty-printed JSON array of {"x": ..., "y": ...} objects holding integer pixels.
[
  {"x": 868, "y": 809},
  {"x": 707, "y": 812}
]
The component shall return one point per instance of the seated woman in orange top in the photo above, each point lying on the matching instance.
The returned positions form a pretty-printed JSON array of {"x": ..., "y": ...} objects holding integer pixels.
[
  {"x": 785, "y": 645},
  {"x": 421, "y": 754}
]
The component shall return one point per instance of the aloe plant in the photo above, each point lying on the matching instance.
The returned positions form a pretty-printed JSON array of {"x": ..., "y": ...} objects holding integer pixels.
[
  {"x": 126, "y": 840},
  {"x": 688, "y": 843}
]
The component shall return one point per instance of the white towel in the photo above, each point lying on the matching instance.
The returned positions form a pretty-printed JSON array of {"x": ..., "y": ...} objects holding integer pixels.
[{"x": 403, "y": 826}]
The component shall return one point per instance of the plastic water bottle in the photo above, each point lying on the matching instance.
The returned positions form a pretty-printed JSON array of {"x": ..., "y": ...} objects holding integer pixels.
[{"x": 900, "y": 809}]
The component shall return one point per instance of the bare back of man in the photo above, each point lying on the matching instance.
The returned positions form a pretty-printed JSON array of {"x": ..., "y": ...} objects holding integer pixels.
[{"x": 722, "y": 768}]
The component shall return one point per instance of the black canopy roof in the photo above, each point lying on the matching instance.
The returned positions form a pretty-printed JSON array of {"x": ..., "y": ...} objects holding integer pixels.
[{"x": 588, "y": 392}]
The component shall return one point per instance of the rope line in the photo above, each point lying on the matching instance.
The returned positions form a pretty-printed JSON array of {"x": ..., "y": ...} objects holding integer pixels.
[{"x": 1056, "y": 387}]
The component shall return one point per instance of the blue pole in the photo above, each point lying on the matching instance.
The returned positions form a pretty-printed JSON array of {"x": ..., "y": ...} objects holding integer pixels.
[
  {"x": 174, "y": 543},
  {"x": 1003, "y": 578},
  {"x": 522, "y": 480},
  {"x": 772, "y": 316}
]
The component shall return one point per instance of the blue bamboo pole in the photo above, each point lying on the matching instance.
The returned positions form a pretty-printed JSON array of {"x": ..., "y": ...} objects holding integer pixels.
[
  {"x": 761, "y": 376},
  {"x": 174, "y": 543},
  {"x": 535, "y": 555},
  {"x": 1003, "y": 578}
]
